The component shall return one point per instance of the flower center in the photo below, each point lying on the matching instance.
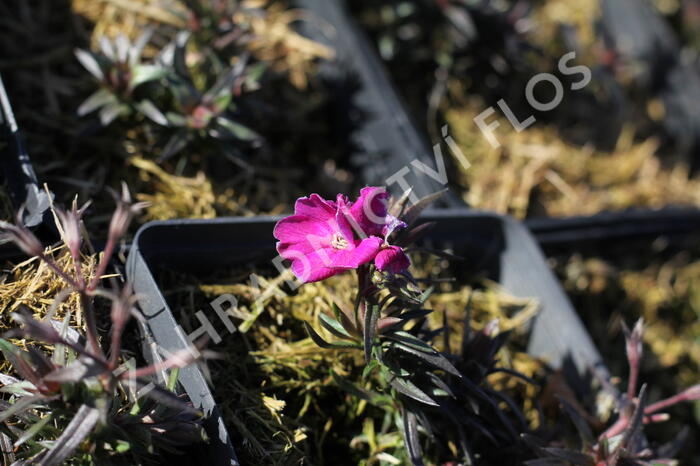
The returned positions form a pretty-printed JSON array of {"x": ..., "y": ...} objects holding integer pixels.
[{"x": 338, "y": 242}]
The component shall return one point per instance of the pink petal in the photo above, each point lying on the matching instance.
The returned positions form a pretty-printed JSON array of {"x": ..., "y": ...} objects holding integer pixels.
[
  {"x": 392, "y": 260},
  {"x": 315, "y": 207},
  {"x": 370, "y": 210},
  {"x": 309, "y": 266},
  {"x": 309, "y": 274},
  {"x": 344, "y": 221},
  {"x": 363, "y": 253},
  {"x": 298, "y": 228}
]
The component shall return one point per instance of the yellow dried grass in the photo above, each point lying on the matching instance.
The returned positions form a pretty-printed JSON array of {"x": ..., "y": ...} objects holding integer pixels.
[
  {"x": 564, "y": 179},
  {"x": 174, "y": 196},
  {"x": 31, "y": 285},
  {"x": 128, "y": 17},
  {"x": 275, "y": 41}
]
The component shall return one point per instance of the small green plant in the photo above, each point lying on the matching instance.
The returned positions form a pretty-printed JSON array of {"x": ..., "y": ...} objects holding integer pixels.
[
  {"x": 176, "y": 103},
  {"x": 79, "y": 401},
  {"x": 203, "y": 114},
  {"x": 119, "y": 70}
]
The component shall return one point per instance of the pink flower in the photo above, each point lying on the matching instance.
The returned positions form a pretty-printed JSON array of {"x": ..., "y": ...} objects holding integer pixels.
[
  {"x": 319, "y": 239},
  {"x": 370, "y": 210},
  {"x": 392, "y": 259}
]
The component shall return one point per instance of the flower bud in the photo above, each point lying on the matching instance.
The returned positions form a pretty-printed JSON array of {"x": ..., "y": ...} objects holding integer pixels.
[
  {"x": 124, "y": 213},
  {"x": 23, "y": 238},
  {"x": 70, "y": 229}
]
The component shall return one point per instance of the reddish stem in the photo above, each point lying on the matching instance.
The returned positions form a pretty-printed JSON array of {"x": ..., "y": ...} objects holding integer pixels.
[
  {"x": 102, "y": 265},
  {"x": 663, "y": 404},
  {"x": 634, "y": 377}
]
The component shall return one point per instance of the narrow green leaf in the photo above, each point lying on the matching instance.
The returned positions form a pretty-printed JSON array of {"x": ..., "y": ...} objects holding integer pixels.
[
  {"x": 434, "y": 359},
  {"x": 111, "y": 112},
  {"x": 20, "y": 405},
  {"x": 426, "y": 294},
  {"x": 411, "y": 341},
  {"x": 410, "y": 434},
  {"x": 344, "y": 316},
  {"x": 222, "y": 101},
  {"x": 8, "y": 455},
  {"x": 253, "y": 75},
  {"x": 351, "y": 388},
  {"x": 137, "y": 49},
  {"x": 23, "y": 388},
  {"x": 172, "y": 379},
  {"x": 408, "y": 388},
  {"x": 323, "y": 343},
  {"x": 95, "y": 101},
  {"x": 90, "y": 63},
  {"x": 371, "y": 317},
  {"x": 316, "y": 337},
  {"x": 151, "y": 111},
  {"x": 145, "y": 73},
  {"x": 175, "y": 119},
  {"x": 8, "y": 349},
  {"x": 237, "y": 130},
  {"x": 334, "y": 327},
  {"x": 369, "y": 368},
  {"x": 175, "y": 144},
  {"x": 107, "y": 48},
  {"x": 415, "y": 314}
]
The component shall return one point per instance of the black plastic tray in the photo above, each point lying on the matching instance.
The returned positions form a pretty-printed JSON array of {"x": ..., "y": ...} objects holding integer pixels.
[
  {"x": 492, "y": 244},
  {"x": 610, "y": 229},
  {"x": 17, "y": 174}
]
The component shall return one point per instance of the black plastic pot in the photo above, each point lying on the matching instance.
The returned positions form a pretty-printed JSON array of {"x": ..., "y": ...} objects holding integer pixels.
[
  {"x": 17, "y": 175},
  {"x": 610, "y": 229},
  {"x": 389, "y": 140},
  {"x": 496, "y": 245}
]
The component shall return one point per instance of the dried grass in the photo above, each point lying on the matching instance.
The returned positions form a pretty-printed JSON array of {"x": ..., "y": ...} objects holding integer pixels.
[
  {"x": 128, "y": 17},
  {"x": 276, "y": 42},
  {"x": 665, "y": 293},
  {"x": 581, "y": 15},
  {"x": 536, "y": 170},
  {"x": 174, "y": 196},
  {"x": 33, "y": 286}
]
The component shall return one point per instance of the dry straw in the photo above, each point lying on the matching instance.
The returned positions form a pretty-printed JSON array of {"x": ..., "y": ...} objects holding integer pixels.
[{"x": 535, "y": 170}]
